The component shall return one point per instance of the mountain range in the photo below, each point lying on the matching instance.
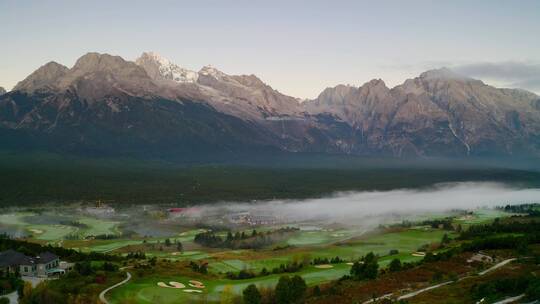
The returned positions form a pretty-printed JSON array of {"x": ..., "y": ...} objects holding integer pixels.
[{"x": 106, "y": 105}]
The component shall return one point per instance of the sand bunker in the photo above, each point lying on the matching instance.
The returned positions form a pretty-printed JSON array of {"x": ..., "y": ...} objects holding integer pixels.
[
  {"x": 36, "y": 231},
  {"x": 178, "y": 285},
  {"x": 324, "y": 266},
  {"x": 175, "y": 253},
  {"x": 192, "y": 290},
  {"x": 419, "y": 254},
  {"x": 350, "y": 263},
  {"x": 171, "y": 285}
]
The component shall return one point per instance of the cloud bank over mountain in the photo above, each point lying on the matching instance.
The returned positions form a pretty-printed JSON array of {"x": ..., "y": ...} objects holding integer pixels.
[{"x": 512, "y": 74}]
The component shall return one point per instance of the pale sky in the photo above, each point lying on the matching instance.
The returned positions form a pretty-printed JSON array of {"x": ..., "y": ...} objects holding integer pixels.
[{"x": 297, "y": 47}]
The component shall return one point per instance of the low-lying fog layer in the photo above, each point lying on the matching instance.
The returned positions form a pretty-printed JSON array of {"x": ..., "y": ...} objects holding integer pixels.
[{"x": 346, "y": 207}]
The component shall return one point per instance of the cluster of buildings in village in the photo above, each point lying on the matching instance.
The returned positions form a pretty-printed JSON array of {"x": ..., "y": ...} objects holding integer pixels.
[
  {"x": 44, "y": 265},
  {"x": 240, "y": 218},
  {"x": 247, "y": 218},
  {"x": 99, "y": 210}
]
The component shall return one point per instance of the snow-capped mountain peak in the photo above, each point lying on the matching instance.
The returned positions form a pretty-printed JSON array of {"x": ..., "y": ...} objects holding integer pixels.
[
  {"x": 210, "y": 70},
  {"x": 159, "y": 67}
]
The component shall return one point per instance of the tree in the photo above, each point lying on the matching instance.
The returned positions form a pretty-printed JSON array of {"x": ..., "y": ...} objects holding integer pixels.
[
  {"x": 227, "y": 295},
  {"x": 316, "y": 291},
  {"x": 366, "y": 269},
  {"x": 533, "y": 290},
  {"x": 180, "y": 247},
  {"x": 283, "y": 292},
  {"x": 395, "y": 265},
  {"x": 290, "y": 290},
  {"x": 298, "y": 288},
  {"x": 167, "y": 242},
  {"x": 445, "y": 239},
  {"x": 84, "y": 268},
  {"x": 252, "y": 295},
  {"x": 26, "y": 289}
]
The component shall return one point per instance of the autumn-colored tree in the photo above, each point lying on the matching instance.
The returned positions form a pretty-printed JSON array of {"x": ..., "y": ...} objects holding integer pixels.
[{"x": 227, "y": 295}]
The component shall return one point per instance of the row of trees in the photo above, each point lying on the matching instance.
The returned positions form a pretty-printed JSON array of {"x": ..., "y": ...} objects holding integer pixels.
[
  {"x": 499, "y": 287},
  {"x": 200, "y": 268},
  {"x": 242, "y": 240},
  {"x": 528, "y": 227},
  {"x": 33, "y": 249},
  {"x": 529, "y": 209},
  {"x": 291, "y": 267},
  {"x": 322, "y": 261},
  {"x": 287, "y": 291},
  {"x": 10, "y": 282}
]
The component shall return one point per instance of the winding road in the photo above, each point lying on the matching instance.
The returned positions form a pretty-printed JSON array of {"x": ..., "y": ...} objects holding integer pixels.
[
  {"x": 102, "y": 294},
  {"x": 414, "y": 293}
]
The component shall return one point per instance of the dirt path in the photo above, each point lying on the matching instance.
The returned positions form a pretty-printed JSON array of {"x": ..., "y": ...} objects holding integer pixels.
[{"x": 102, "y": 294}]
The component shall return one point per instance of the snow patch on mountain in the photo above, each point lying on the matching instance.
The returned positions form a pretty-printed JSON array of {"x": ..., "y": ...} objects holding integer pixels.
[
  {"x": 167, "y": 69},
  {"x": 211, "y": 71}
]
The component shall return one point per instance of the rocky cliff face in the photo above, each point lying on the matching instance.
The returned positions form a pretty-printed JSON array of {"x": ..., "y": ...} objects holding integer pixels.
[
  {"x": 244, "y": 96},
  {"x": 437, "y": 113},
  {"x": 107, "y": 105},
  {"x": 43, "y": 78}
]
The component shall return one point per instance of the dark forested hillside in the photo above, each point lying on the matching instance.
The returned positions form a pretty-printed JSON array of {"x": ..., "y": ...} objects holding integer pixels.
[{"x": 41, "y": 178}]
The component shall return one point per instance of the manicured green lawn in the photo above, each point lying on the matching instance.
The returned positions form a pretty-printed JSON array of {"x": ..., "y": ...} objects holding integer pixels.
[
  {"x": 15, "y": 219},
  {"x": 145, "y": 290},
  {"x": 482, "y": 216},
  {"x": 319, "y": 237},
  {"x": 50, "y": 232},
  {"x": 98, "y": 227}
]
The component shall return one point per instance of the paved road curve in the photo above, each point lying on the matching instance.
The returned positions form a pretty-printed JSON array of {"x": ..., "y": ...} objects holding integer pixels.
[
  {"x": 414, "y": 293},
  {"x": 501, "y": 264},
  {"x": 12, "y": 297},
  {"x": 510, "y": 300},
  {"x": 102, "y": 294}
]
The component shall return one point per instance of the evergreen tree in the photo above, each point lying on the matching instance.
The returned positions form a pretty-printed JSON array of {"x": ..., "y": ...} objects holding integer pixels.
[
  {"x": 367, "y": 269},
  {"x": 298, "y": 288},
  {"x": 179, "y": 247},
  {"x": 395, "y": 265},
  {"x": 252, "y": 295},
  {"x": 445, "y": 239},
  {"x": 283, "y": 292}
]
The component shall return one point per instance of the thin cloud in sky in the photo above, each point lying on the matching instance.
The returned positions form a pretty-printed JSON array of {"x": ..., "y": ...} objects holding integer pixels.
[{"x": 524, "y": 75}]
